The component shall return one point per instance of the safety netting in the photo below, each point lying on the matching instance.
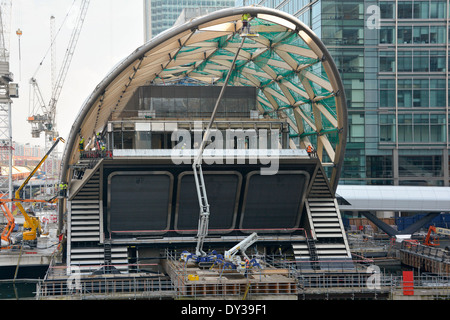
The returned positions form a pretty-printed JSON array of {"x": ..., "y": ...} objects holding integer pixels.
[{"x": 294, "y": 77}]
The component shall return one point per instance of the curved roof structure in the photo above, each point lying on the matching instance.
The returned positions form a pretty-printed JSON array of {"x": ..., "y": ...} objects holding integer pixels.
[{"x": 296, "y": 77}]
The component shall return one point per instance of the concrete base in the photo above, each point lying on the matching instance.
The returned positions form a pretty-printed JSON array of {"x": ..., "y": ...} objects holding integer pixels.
[{"x": 423, "y": 294}]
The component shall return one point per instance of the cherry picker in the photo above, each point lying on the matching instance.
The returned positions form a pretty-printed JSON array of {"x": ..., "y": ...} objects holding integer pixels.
[
  {"x": 200, "y": 256},
  {"x": 32, "y": 225}
]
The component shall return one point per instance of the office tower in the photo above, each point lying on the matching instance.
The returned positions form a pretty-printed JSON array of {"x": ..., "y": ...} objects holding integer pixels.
[
  {"x": 160, "y": 15},
  {"x": 393, "y": 60}
]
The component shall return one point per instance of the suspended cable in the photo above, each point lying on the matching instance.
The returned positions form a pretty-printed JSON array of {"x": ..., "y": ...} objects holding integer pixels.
[
  {"x": 19, "y": 34},
  {"x": 54, "y": 39}
]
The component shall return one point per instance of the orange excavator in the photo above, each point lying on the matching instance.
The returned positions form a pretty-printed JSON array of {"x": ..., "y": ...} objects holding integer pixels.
[
  {"x": 433, "y": 241},
  {"x": 32, "y": 225}
]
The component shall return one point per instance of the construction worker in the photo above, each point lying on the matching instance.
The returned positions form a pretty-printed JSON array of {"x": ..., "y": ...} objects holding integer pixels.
[
  {"x": 245, "y": 22},
  {"x": 247, "y": 267},
  {"x": 62, "y": 189},
  {"x": 81, "y": 145},
  {"x": 311, "y": 151}
]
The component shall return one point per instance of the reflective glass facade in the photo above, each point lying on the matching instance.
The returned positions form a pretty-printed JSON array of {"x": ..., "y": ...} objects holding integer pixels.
[
  {"x": 160, "y": 15},
  {"x": 393, "y": 57}
]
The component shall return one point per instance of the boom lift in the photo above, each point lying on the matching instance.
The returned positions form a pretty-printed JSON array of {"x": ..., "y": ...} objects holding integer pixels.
[
  {"x": 6, "y": 234},
  {"x": 433, "y": 241},
  {"x": 231, "y": 257},
  {"x": 198, "y": 173},
  {"x": 32, "y": 225},
  {"x": 201, "y": 256}
]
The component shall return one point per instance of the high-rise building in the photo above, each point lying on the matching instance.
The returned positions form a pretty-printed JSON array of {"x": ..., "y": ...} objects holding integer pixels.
[
  {"x": 160, "y": 15},
  {"x": 393, "y": 59}
]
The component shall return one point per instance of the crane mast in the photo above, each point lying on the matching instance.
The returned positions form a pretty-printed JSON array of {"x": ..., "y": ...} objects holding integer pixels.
[
  {"x": 6, "y": 93},
  {"x": 65, "y": 66}
]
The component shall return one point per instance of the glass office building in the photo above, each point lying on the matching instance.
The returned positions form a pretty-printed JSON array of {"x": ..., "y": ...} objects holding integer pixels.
[
  {"x": 160, "y": 15},
  {"x": 393, "y": 59}
]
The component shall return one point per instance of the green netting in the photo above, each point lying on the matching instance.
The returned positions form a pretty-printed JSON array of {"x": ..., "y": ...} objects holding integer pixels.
[{"x": 275, "y": 64}]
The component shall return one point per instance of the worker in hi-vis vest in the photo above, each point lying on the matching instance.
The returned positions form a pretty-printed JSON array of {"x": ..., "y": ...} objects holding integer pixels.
[
  {"x": 81, "y": 145},
  {"x": 246, "y": 22}
]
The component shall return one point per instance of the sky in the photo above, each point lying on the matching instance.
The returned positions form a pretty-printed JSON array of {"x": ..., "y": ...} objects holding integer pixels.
[{"x": 112, "y": 30}]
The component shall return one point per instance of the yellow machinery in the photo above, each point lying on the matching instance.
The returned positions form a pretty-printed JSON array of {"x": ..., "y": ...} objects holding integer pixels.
[{"x": 32, "y": 225}]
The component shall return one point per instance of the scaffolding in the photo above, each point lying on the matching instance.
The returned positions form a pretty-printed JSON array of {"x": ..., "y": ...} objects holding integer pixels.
[
  {"x": 193, "y": 282},
  {"x": 277, "y": 280}
]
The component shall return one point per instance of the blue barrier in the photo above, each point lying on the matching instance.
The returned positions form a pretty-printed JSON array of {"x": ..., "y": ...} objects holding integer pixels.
[{"x": 442, "y": 220}]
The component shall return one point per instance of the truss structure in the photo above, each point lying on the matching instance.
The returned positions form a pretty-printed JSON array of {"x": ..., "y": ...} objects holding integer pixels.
[
  {"x": 296, "y": 77},
  {"x": 6, "y": 143}
]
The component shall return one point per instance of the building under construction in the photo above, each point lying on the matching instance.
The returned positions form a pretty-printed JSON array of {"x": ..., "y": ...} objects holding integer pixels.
[{"x": 274, "y": 103}]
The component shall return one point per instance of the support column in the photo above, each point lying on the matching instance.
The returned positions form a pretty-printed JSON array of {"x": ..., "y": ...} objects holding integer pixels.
[
  {"x": 395, "y": 166},
  {"x": 445, "y": 166}
]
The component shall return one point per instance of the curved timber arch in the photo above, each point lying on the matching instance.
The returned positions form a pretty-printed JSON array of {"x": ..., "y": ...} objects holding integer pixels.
[{"x": 296, "y": 78}]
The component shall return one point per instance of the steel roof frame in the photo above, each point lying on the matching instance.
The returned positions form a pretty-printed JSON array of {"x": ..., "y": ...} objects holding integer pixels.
[{"x": 202, "y": 49}]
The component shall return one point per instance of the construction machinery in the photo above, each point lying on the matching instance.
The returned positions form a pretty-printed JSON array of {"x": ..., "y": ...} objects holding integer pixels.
[
  {"x": 10, "y": 225},
  {"x": 8, "y": 90},
  {"x": 230, "y": 259},
  {"x": 230, "y": 256},
  {"x": 32, "y": 226},
  {"x": 433, "y": 241},
  {"x": 45, "y": 121},
  {"x": 200, "y": 256},
  {"x": 197, "y": 168}
]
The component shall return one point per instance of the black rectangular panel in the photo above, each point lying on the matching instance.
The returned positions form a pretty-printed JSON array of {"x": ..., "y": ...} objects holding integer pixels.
[
  {"x": 139, "y": 201},
  {"x": 174, "y": 101},
  {"x": 223, "y": 196},
  {"x": 273, "y": 201}
]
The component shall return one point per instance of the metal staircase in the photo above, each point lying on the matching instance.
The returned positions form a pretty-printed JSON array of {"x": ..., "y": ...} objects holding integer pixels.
[
  {"x": 313, "y": 253},
  {"x": 86, "y": 248},
  {"x": 328, "y": 241}
]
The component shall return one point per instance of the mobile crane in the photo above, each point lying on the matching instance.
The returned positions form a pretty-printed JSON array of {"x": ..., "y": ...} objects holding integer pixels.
[
  {"x": 32, "y": 225},
  {"x": 433, "y": 241}
]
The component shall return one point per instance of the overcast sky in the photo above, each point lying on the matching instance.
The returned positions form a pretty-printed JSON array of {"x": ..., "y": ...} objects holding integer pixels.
[{"x": 113, "y": 29}]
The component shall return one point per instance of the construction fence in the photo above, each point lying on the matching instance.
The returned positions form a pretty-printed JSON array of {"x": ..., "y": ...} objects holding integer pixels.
[{"x": 275, "y": 280}]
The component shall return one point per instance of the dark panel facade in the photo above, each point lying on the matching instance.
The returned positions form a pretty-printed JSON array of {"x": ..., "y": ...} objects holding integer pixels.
[
  {"x": 191, "y": 102},
  {"x": 139, "y": 201},
  {"x": 223, "y": 189},
  {"x": 273, "y": 201},
  {"x": 160, "y": 199}
]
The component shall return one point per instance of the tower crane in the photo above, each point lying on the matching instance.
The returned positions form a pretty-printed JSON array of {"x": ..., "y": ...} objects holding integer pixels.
[
  {"x": 8, "y": 90},
  {"x": 45, "y": 121}
]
